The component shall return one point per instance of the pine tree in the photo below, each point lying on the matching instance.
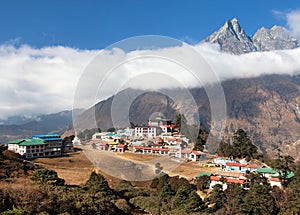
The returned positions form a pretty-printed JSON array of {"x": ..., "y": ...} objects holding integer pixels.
[
  {"x": 235, "y": 199},
  {"x": 242, "y": 145},
  {"x": 194, "y": 203},
  {"x": 259, "y": 199},
  {"x": 293, "y": 194},
  {"x": 97, "y": 183},
  {"x": 217, "y": 197},
  {"x": 224, "y": 149},
  {"x": 203, "y": 182},
  {"x": 283, "y": 164},
  {"x": 181, "y": 197}
]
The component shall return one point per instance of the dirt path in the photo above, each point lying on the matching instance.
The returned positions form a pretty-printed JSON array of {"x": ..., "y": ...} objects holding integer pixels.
[{"x": 128, "y": 168}]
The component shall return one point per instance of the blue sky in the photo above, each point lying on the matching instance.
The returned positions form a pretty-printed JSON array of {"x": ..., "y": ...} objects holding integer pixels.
[{"x": 97, "y": 24}]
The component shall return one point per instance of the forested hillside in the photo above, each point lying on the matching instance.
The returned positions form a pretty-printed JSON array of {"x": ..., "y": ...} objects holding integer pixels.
[{"x": 28, "y": 190}]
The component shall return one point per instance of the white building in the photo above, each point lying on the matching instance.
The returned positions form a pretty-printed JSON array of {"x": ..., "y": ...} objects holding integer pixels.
[
  {"x": 98, "y": 136},
  {"x": 189, "y": 154},
  {"x": 43, "y": 145},
  {"x": 76, "y": 141},
  {"x": 128, "y": 132},
  {"x": 149, "y": 132}
]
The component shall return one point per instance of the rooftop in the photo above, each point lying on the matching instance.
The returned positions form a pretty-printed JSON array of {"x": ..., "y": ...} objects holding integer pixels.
[
  {"x": 266, "y": 170},
  {"x": 203, "y": 174},
  {"x": 16, "y": 141},
  {"x": 47, "y": 135},
  {"x": 198, "y": 153},
  {"x": 32, "y": 142},
  {"x": 228, "y": 180}
]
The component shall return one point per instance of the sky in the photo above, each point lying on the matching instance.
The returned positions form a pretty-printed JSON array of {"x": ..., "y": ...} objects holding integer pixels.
[
  {"x": 95, "y": 24},
  {"x": 47, "y": 46}
]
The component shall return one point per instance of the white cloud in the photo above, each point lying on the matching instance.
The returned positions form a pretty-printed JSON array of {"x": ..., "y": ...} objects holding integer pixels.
[
  {"x": 292, "y": 18},
  {"x": 44, "y": 80},
  {"x": 253, "y": 64},
  {"x": 37, "y": 81},
  {"x": 293, "y": 22}
]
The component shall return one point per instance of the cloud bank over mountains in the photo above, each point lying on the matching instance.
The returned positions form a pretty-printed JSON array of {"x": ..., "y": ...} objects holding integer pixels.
[{"x": 36, "y": 81}]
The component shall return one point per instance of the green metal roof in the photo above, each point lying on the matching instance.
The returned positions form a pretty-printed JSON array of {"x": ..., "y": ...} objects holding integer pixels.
[
  {"x": 290, "y": 175},
  {"x": 16, "y": 141},
  {"x": 203, "y": 173},
  {"x": 274, "y": 172},
  {"x": 32, "y": 142},
  {"x": 266, "y": 170}
]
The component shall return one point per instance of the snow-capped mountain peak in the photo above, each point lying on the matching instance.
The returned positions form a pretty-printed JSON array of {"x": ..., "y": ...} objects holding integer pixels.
[{"x": 232, "y": 38}]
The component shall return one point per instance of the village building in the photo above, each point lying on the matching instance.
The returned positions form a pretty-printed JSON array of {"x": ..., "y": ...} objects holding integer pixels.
[
  {"x": 151, "y": 150},
  {"x": 148, "y": 132},
  {"x": 138, "y": 148},
  {"x": 121, "y": 148},
  {"x": 222, "y": 161},
  {"x": 137, "y": 143},
  {"x": 128, "y": 132},
  {"x": 42, "y": 145},
  {"x": 225, "y": 181},
  {"x": 76, "y": 141},
  {"x": 112, "y": 145},
  {"x": 196, "y": 155},
  {"x": 241, "y": 167},
  {"x": 103, "y": 146},
  {"x": 273, "y": 176},
  {"x": 184, "y": 154},
  {"x": 166, "y": 124},
  {"x": 189, "y": 154},
  {"x": 97, "y": 136}
]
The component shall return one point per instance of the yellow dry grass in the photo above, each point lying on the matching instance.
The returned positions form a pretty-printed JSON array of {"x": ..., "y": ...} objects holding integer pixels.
[
  {"x": 190, "y": 170},
  {"x": 137, "y": 156},
  {"x": 75, "y": 168}
]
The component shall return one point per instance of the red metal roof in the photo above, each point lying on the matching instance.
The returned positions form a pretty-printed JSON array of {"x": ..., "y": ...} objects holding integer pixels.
[
  {"x": 138, "y": 147},
  {"x": 121, "y": 146},
  {"x": 236, "y": 181},
  {"x": 215, "y": 178},
  {"x": 171, "y": 138},
  {"x": 252, "y": 166},
  {"x": 156, "y": 149},
  {"x": 197, "y": 153},
  {"x": 228, "y": 180},
  {"x": 235, "y": 164},
  {"x": 275, "y": 179},
  {"x": 159, "y": 149},
  {"x": 186, "y": 151}
]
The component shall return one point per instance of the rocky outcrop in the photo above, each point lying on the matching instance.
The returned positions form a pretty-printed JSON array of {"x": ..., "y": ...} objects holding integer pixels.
[{"x": 232, "y": 38}]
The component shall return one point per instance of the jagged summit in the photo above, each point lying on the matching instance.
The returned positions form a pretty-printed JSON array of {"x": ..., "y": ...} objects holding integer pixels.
[
  {"x": 232, "y": 38},
  {"x": 276, "y": 38}
]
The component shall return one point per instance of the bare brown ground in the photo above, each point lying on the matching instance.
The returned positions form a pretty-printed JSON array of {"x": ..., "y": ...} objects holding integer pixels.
[
  {"x": 188, "y": 170},
  {"x": 76, "y": 168}
]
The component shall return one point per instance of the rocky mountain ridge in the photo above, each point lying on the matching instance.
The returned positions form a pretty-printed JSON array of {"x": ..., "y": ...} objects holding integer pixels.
[
  {"x": 46, "y": 123},
  {"x": 232, "y": 38},
  {"x": 270, "y": 114}
]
